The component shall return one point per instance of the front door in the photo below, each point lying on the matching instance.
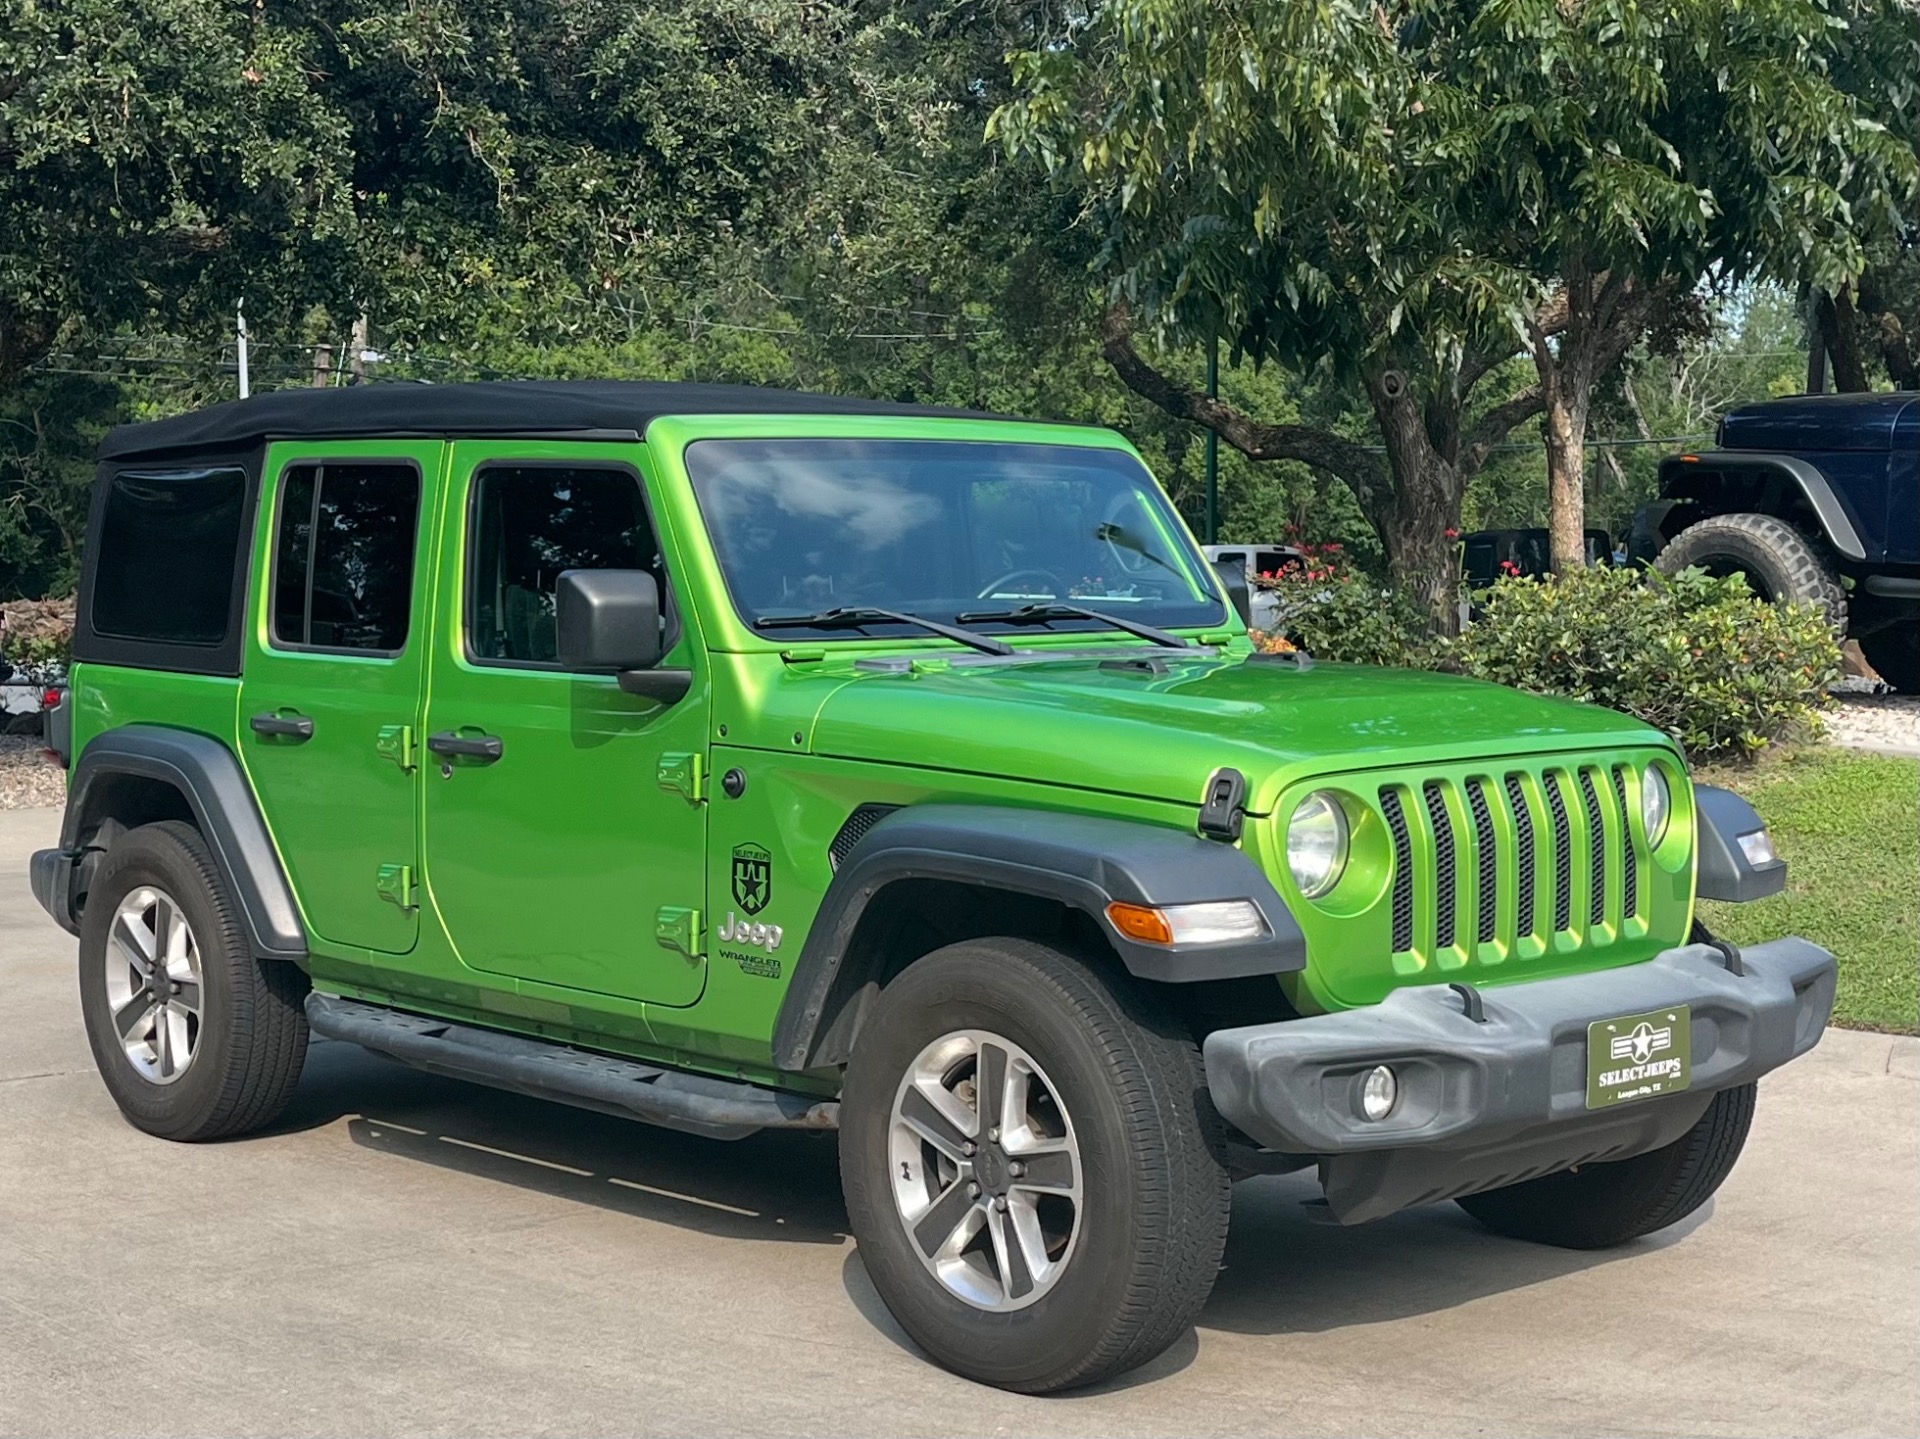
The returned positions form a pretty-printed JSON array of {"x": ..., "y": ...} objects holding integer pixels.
[
  {"x": 564, "y": 829},
  {"x": 331, "y": 690}
]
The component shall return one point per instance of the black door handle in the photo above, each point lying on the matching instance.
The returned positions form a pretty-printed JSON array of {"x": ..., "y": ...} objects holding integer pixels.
[
  {"x": 297, "y": 727},
  {"x": 448, "y": 742}
]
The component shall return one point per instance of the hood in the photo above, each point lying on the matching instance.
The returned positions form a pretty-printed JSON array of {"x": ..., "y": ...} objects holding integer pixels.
[
  {"x": 1099, "y": 724},
  {"x": 1815, "y": 422}
]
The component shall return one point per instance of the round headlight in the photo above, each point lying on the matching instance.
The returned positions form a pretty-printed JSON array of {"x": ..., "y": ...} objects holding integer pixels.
[
  {"x": 1317, "y": 843},
  {"x": 1655, "y": 804}
]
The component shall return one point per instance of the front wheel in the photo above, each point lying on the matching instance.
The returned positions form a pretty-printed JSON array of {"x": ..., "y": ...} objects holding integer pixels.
[
  {"x": 1600, "y": 1205},
  {"x": 1031, "y": 1166}
]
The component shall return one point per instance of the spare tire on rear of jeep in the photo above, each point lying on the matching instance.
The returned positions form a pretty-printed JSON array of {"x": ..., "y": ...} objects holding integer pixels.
[{"x": 1779, "y": 563}]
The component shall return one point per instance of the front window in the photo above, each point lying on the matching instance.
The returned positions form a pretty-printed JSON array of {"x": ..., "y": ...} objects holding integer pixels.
[{"x": 945, "y": 530}]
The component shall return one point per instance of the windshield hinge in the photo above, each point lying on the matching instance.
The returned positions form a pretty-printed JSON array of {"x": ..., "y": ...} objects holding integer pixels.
[{"x": 1223, "y": 811}]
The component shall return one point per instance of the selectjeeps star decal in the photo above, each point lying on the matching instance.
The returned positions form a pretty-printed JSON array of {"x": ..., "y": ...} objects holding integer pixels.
[
  {"x": 1642, "y": 1043},
  {"x": 752, "y": 877}
]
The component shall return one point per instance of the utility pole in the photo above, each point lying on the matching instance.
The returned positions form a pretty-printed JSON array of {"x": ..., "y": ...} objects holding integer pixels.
[
  {"x": 357, "y": 349},
  {"x": 322, "y": 366},
  {"x": 240, "y": 345},
  {"x": 1213, "y": 444}
]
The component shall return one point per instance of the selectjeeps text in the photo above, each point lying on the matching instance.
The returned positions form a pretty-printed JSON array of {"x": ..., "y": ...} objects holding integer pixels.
[{"x": 736, "y": 759}]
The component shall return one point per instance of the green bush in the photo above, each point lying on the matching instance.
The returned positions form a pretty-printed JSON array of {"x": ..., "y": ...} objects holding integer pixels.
[
  {"x": 1334, "y": 611},
  {"x": 1700, "y": 658}
]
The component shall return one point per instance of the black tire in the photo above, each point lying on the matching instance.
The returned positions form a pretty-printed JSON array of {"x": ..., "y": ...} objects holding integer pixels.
[
  {"x": 251, "y": 1036},
  {"x": 1777, "y": 560},
  {"x": 1153, "y": 1216},
  {"x": 1600, "y": 1205},
  {"x": 1894, "y": 652}
]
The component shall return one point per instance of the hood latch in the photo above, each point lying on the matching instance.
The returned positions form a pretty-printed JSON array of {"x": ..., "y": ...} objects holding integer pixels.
[{"x": 1223, "y": 811}]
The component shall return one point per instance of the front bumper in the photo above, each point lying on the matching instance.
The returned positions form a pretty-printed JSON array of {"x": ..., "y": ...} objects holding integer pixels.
[{"x": 1486, "y": 1104}]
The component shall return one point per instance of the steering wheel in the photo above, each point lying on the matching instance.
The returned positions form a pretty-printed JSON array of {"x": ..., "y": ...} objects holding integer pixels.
[{"x": 1058, "y": 589}]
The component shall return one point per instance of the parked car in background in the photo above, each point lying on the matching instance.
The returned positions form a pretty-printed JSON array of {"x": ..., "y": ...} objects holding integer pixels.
[
  {"x": 1813, "y": 498},
  {"x": 1253, "y": 561},
  {"x": 1488, "y": 554}
]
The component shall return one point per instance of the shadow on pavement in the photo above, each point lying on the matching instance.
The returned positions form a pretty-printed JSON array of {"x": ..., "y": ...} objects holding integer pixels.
[
  {"x": 773, "y": 1186},
  {"x": 1287, "y": 1273},
  {"x": 1283, "y": 1272}
]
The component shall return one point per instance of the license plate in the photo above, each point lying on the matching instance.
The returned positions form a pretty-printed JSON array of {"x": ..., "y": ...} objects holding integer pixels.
[{"x": 1639, "y": 1056}]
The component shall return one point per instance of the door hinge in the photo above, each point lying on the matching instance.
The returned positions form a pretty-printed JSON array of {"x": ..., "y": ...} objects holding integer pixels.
[
  {"x": 684, "y": 774},
  {"x": 395, "y": 742},
  {"x": 395, "y": 883},
  {"x": 676, "y": 927}
]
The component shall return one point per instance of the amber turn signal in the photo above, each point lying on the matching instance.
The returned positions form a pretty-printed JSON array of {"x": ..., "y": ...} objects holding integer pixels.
[{"x": 1136, "y": 921}]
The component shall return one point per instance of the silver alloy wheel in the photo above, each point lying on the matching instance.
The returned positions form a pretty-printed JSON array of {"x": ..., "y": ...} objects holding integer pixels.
[
  {"x": 985, "y": 1170},
  {"x": 154, "y": 984}
]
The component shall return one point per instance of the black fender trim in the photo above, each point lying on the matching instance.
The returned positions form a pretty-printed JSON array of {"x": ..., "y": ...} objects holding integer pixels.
[
  {"x": 1819, "y": 492},
  {"x": 208, "y": 776},
  {"x": 1724, "y": 871},
  {"x": 1082, "y": 862}
]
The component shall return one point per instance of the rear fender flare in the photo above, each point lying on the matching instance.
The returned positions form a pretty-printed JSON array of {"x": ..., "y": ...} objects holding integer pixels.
[
  {"x": 1082, "y": 862},
  {"x": 208, "y": 777}
]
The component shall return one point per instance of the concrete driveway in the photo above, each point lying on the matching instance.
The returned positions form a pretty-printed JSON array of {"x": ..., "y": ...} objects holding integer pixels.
[{"x": 407, "y": 1255}]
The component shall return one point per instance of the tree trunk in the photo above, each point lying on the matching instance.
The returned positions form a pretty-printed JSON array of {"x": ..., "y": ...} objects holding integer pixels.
[
  {"x": 1418, "y": 519},
  {"x": 1565, "y": 424},
  {"x": 1605, "y": 314}
]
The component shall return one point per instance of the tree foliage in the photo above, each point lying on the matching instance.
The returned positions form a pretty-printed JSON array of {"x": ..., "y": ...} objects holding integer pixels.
[{"x": 1407, "y": 202}]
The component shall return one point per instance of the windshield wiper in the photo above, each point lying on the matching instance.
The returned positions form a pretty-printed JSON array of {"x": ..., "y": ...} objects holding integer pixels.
[
  {"x": 1041, "y": 614},
  {"x": 853, "y": 617}
]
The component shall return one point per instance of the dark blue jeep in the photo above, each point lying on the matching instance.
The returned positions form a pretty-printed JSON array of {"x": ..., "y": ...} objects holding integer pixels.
[{"x": 1811, "y": 498}]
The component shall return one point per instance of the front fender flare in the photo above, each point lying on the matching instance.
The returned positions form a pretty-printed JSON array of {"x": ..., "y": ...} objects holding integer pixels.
[
  {"x": 1803, "y": 474},
  {"x": 1083, "y": 862}
]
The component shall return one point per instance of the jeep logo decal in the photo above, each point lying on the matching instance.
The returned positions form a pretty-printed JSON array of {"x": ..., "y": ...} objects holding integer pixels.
[{"x": 752, "y": 877}]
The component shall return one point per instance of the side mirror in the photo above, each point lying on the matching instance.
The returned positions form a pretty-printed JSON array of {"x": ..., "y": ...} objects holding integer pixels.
[
  {"x": 610, "y": 620},
  {"x": 1232, "y": 575}
]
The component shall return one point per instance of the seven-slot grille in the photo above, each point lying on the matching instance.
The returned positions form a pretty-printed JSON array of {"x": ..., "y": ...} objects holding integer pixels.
[{"x": 1482, "y": 862}]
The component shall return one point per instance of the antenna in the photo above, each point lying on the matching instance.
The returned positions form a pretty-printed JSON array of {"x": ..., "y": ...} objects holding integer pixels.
[{"x": 240, "y": 345}]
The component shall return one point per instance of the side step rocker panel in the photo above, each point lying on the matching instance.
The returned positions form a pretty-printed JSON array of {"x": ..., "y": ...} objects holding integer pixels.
[{"x": 696, "y": 1103}]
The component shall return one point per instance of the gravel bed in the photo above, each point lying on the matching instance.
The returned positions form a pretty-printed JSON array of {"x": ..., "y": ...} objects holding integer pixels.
[
  {"x": 28, "y": 779},
  {"x": 1875, "y": 721}
]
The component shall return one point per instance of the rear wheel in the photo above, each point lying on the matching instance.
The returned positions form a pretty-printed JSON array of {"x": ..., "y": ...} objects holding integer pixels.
[
  {"x": 1032, "y": 1166},
  {"x": 1778, "y": 562},
  {"x": 194, "y": 1037},
  {"x": 1600, "y": 1205}
]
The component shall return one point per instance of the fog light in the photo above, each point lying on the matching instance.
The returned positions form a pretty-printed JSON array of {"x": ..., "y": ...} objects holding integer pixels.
[{"x": 1378, "y": 1092}]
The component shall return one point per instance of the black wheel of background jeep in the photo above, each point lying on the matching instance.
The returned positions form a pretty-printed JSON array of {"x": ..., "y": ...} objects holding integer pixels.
[
  {"x": 1070, "y": 1231},
  {"x": 1777, "y": 560},
  {"x": 194, "y": 1037},
  {"x": 1600, "y": 1205}
]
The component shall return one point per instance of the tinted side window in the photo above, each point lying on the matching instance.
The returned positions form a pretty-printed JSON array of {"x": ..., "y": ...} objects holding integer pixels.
[
  {"x": 528, "y": 524},
  {"x": 343, "y": 556},
  {"x": 167, "y": 548}
]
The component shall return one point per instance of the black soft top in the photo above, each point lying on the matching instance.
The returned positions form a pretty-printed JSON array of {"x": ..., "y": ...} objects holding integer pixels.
[{"x": 604, "y": 409}]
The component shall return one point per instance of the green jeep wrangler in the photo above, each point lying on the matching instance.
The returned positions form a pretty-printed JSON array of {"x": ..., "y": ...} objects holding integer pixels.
[{"x": 734, "y": 759}]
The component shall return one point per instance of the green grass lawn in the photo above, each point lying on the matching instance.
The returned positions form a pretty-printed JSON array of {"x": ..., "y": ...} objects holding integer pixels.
[{"x": 1848, "y": 824}]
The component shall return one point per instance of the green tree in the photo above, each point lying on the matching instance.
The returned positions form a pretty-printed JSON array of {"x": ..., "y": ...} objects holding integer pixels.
[
  {"x": 1407, "y": 205},
  {"x": 159, "y": 158}
]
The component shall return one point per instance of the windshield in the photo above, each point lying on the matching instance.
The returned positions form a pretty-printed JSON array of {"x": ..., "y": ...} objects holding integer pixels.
[{"x": 942, "y": 528}]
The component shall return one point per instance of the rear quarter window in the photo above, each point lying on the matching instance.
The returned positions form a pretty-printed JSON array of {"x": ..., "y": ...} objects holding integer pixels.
[{"x": 166, "y": 551}]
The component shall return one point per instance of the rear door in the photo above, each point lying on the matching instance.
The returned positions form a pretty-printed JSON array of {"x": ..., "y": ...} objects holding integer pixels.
[{"x": 331, "y": 690}]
